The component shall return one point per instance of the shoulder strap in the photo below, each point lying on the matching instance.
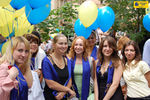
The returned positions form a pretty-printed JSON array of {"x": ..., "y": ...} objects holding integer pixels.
[
  {"x": 51, "y": 60},
  {"x": 64, "y": 60}
]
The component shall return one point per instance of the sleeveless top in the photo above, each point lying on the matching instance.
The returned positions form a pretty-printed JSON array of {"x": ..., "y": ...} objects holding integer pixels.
[
  {"x": 104, "y": 82},
  {"x": 63, "y": 75}
]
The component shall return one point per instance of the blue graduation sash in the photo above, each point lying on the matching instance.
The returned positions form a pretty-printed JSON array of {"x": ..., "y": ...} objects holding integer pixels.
[
  {"x": 54, "y": 75},
  {"x": 85, "y": 79},
  {"x": 110, "y": 75},
  {"x": 94, "y": 53},
  {"x": 22, "y": 92},
  {"x": 32, "y": 66}
]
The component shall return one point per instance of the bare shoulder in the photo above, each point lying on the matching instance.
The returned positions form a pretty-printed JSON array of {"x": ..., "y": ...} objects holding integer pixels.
[{"x": 120, "y": 65}]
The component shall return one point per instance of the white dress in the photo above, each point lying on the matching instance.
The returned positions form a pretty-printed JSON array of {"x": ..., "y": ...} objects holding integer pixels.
[{"x": 35, "y": 92}]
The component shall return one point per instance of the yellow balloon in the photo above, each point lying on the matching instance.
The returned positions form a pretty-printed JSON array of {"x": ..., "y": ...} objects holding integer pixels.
[
  {"x": 88, "y": 12},
  {"x": 147, "y": 10},
  {"x": 6, "y": 20},
  {"x": 4, "y": 47},
  {"x": 19, "y": 12},
  {"x": 22, "y": 26},
  {"x": 4, "y": 2}
]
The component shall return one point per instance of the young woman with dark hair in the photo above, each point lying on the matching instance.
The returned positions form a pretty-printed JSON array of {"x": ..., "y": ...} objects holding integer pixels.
[{"x": 108, "y": 71}]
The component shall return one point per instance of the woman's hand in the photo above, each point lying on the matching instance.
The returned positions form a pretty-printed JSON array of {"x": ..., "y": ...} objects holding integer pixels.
[
  {"x": 60, "y": 95},
  {"x": 39, "y": 72},
  {"x": 72, "y": 93},
  {"x": 13, "y": 73}
]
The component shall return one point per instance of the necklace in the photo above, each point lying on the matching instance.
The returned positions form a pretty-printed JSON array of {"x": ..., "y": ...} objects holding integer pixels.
[{"x": 60, "y": 63}]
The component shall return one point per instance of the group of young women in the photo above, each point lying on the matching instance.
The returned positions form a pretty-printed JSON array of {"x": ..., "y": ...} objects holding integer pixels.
[{"x": 84, "y": 71}]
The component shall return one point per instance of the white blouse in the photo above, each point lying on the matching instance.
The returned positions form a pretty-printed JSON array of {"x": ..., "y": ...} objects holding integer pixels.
[{"x": 137, "y": 85}]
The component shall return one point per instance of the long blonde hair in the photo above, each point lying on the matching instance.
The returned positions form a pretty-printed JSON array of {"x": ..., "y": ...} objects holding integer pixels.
[{"x": 8, "y": 55}]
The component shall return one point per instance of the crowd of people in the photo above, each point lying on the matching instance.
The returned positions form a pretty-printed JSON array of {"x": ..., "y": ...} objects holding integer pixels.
[{"x": 113, "y": 70}]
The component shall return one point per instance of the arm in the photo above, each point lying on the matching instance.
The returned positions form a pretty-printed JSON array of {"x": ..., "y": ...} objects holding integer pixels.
[
  {"x": 41, "y": 76},
  {"x": 58, "y": 87},
  {"x": 61, "y": 94},
  {"x": 7, "y": 79},
  {"x": 39, "y": 72},
  {"x": 144, "y": 67},
  {"x": 95, "y": 82},
  {"x": 147, "y": 76},
  {"x": 116, "y": 80}
]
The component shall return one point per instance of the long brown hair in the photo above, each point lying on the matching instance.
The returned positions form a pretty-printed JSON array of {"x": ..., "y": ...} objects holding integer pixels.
[
  {"x": 72, "y": 52},
  {"x": 114, "y": 56},
  {"x": 137, "y": 57}
]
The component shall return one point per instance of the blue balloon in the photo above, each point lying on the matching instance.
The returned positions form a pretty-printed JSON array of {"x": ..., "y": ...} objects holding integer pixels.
[
  {"x": 106, "y": 18},
  {"x": 36, "y": 16},
  {"x": 11, "y": 34},
  {"x": 146, "y": 22},
  {"x": 18, "y": 4},
  {"x": 80, "y": 30},
  {"x": 38, "y": 3}
]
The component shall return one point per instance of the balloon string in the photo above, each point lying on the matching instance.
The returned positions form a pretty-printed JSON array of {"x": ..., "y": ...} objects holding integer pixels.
[
  {"x": 11, "y": 51},
  {"x": 9, "y": 31},
  {"x": 27, "y": 19},
  {"x": 18, "y": 78},
  {"x": 28, "y": 25},
  {"x": 24, "y": 23},
  {"x": 8, "y": 10}
]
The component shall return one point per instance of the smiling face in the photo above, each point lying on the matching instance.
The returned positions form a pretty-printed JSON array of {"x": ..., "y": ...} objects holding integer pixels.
[
  {"x": 61, "y": 45},
  {"x": 34, "y": 46},
  {"x": 78, "y": 47},
  {"x": 107, "y": 50},
  {"x": 20, "y": 54},
  {"x": 92, "y": 39},
  {"x": 129, "y": 53}
]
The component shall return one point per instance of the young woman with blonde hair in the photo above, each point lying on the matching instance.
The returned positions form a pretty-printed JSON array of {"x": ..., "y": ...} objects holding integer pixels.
[
  {"x": 18, "y": 55},
  {"x": 56, "y": 71}
]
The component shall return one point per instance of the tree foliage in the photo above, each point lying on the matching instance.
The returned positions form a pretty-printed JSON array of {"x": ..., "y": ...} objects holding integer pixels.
[
  {"x": 61, "y": 19},
  {"x": 128, "y": 19}
]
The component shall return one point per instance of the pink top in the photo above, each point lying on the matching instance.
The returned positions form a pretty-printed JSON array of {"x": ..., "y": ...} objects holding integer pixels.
[{"x": 6, "y": 84}]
